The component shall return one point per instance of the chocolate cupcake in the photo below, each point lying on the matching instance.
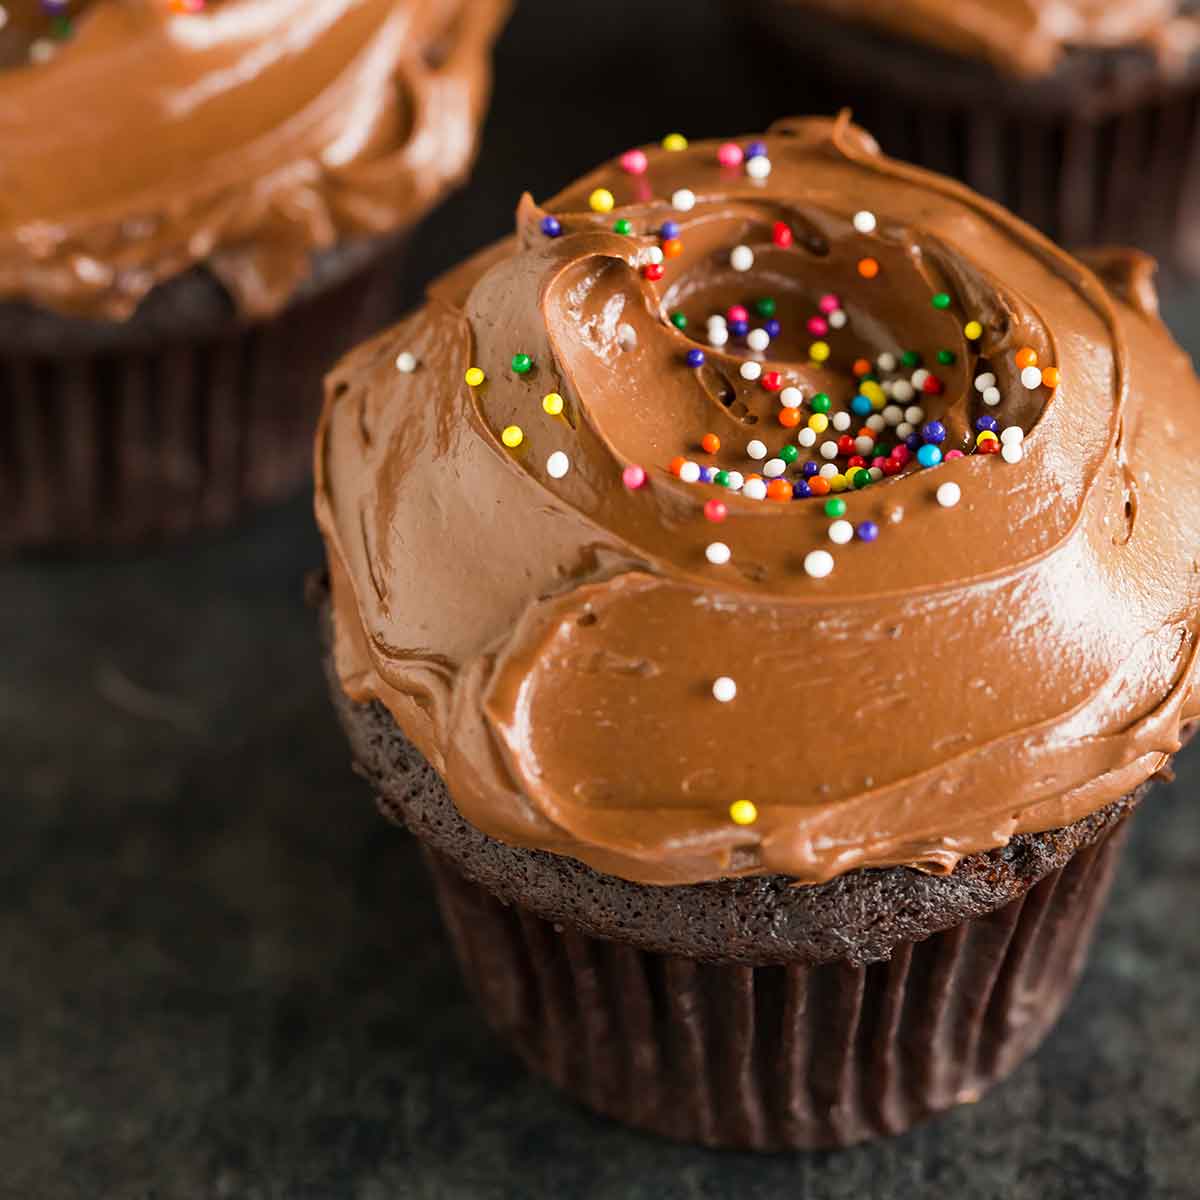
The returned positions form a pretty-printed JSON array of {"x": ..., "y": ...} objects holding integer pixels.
[
  {"x": 202, "y": 206},
  {"x": 1082, "y": 117},
  {"x": 767, "y": 597}
]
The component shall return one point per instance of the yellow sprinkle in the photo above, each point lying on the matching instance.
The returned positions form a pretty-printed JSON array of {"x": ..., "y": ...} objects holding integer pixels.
[
  {"x": 818, "y": 422},
  {"x": 972, "y": 331},
  {"x": 601, "y": 200},
  {"x": 874, "y": 393},
  {"x": 552, "y": 404},
  {"x": 837, "y": 483},
  {"x": 986, "y": 436},
  {"x": 512, "y": 436},
  {"x": 818, "y": 351},
  {"x": 474, "y": 376},
  {"x": 743, "y": 812},
  {"x": 674, "y": 141}
]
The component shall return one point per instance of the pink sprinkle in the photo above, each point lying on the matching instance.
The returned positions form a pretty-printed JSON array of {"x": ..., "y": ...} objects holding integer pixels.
[
  {"x": 829, "y": 303},
  {"x": 818, "y": 326},
  {"x": 953, "y": 454},
  {"x": 633, "y": 477},
  {"x": 878, "y": 461},
  {"x": 729, "y": 154},
  {"x": 901, "y": 453},
  {"x": 737, "y": 313},
  {"x": 634, "y": 162}
]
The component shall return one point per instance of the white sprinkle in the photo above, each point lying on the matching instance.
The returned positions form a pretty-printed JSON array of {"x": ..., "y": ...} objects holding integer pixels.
[
  {"x": 716, "y": 319},
  {"x": 902, "y": 390},
  {"x": 914, "y": 414},
  {"x": 841, "y": 532},
  {"x": 750, "y": 370},
  {"x": 758, "y": 167},
  {"x": 406, "y": 362},
  {"x": 736, "y": 479},
  {"x": 807, "y": 437},
  {"x": 42, "y": 51},
  {"x": 886, "y": 387},
  {"x": 791, "y": 397},
  {"x": 1013, "y": 452},
  {"x": 864, "y": 221},
  {"x": 875, "y": 423},
  {"x": 984, "y": 381},
  {"x": 689, "y": 472},
  {"x": 903, "y": 430},
  {"x": 774, "y": 467},
  {"x": 1013, "y": 434},
  {"x": 718, "y": 335},
  {"x": 652, "y": 254},
  {"x": 840, "y": 421},
  {"x": 755, "y": 489},
  {"x": 829, "y": 470},
  {"x": 829, "y": 450},
  {"x": 724, "y": 689},
  {"x": 949, "y": 494},
  {"x": 837, "y": 319},
  {"x": 756, "y": 450},
  {"x": 626, "y": 335},
  {"x": 758, "y": 339},
  {"x": 717, "y": 553},
  {"x": 893, "y": 414},
  {"x": 818, "y": 563},
  {"x": 919, "y": 376},
  {"x": 876, "y": 473},
  {"x": 684, "y": 200},
  {"x": 1031, "y": 377},
  {"x": 741, "y": 258},
  {"x": 864, "y": 445},
  {"x": 886, "y": 362},
  {"x": 991, "y": 396},
  {"x": 558, "y": 464}
]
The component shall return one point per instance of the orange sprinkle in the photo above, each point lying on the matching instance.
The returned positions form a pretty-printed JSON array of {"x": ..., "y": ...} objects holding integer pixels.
[
  {"x": 861, "y": 367},
  {"x": 1026, "y": 357},
  {"x": 672, "y": 248},
  {"x": 868, "y": 268},
  {"x": 676, "y": 464},
  {"x": 789, "y": 418},
  {"x": 750, "y": 477},
  {"x": 1050, "y": 377},
  {"x": 866, "y": 431},
  {"x": 819, "y": 485},
  {"x": 779, "y": 489},
  {"x": 710, "y": 443}
]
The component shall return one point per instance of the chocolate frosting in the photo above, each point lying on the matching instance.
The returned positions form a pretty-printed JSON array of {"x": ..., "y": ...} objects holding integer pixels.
[
  {"x": 1028, "y": 37},
  {"x": 243, "y": 136},
  {"x": 550, "y": 641}
]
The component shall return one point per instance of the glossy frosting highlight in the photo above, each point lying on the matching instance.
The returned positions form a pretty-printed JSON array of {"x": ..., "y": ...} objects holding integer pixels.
[
  {"x": 550, "y": 644},
  {"x": 1028, "y": 37},
  {"x": 244, "y": 136}
]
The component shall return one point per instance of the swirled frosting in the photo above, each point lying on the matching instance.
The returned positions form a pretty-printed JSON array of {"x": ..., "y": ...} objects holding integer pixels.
[
  {"x": 555, "y": 640},
  {"x": 1029, "y": 37},
  {"x": 244, "y": 136}
]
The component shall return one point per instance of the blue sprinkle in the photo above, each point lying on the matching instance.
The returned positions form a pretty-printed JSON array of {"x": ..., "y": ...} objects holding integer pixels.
[
  {"x": 934, "y": 431},
  {"x": 867, "y": 531},
  {"x": 861, "y": 406},
  {"x": 695, "y": 358},
  {"x": 756, "y": 150},
  {"x": 809, "y": 469},
  {"x": 551, "y": 226},
  {"x": 668, "y": 231},
  {"x": 773, "y": 328},
  {"x": 985, "y": 422},
  {"x": 739, "y": 328},
  {"x": 707, "y": 473},
  {"x": 800, "y": 489},
  {"x": 913, "y": 442},
  {"x": 929, "y": 456}
]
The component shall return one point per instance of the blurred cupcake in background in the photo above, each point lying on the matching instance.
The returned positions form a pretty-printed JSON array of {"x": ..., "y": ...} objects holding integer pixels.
[
  {"x": 201, "y": 205},
  {"x": 1079, "y": 115}
]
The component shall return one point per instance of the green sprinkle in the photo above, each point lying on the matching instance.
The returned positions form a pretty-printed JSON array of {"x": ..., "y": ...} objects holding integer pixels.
[
  {"x": 623, "y": 226},
  {"x": 940, "y": 300},
  {"x": 947, "y": 357},
  {"x": 820, "y": 403},
  {"x": 522, "y": 364},
  {"x": 765, "y": 306},
  {"x": 911, "y": 358},
  {"x": 835, "y": 506},
  {"x": 789, "y": 454},
  {"x": 861, "y": 477},
  {"x": 679, "y": 320},
  {"x": 721, "y": 478}
]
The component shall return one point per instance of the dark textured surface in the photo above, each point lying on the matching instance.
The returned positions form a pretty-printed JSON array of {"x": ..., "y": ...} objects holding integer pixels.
[
  {"x": 221, "y": 972},
  {"x": 860, "y": 917}
]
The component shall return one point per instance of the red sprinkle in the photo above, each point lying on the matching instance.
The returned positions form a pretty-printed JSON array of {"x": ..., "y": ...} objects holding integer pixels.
[
  {"x": 845, "y": 444},
  {"x": 988, "y": 446},
  {"x": 715, "y": 511},
  {"x": 772, "y": 381},
  {"x": 782, "y": 235},
  {"x": 933, "y": 386},
  {"x": 653, "y": 270}
]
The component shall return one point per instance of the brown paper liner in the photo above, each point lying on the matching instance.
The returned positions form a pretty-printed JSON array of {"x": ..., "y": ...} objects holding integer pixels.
[
  {"x": 137, "y": 439},
  {"x": 1095, "y": 155},
  {"x": 779, "y": 1057}
]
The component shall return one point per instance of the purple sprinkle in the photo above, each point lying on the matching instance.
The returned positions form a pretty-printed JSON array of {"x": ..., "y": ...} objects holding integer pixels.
[
  {"x": 739, "y": 328},
  {"x": 756, "y": 150},
  {"x": 773, "y": 328},
  {"x": 800, "y": 489},
  {"x": 809, "y": 469},
  {"x": 913, "y": 442}
]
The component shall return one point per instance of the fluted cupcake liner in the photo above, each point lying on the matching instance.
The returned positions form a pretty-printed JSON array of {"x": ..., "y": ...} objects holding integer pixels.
[
  {"x": 127, "y": 440},
  {"x": 781, "y": 1056},
  {"x": 1102, "y": 152}
]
